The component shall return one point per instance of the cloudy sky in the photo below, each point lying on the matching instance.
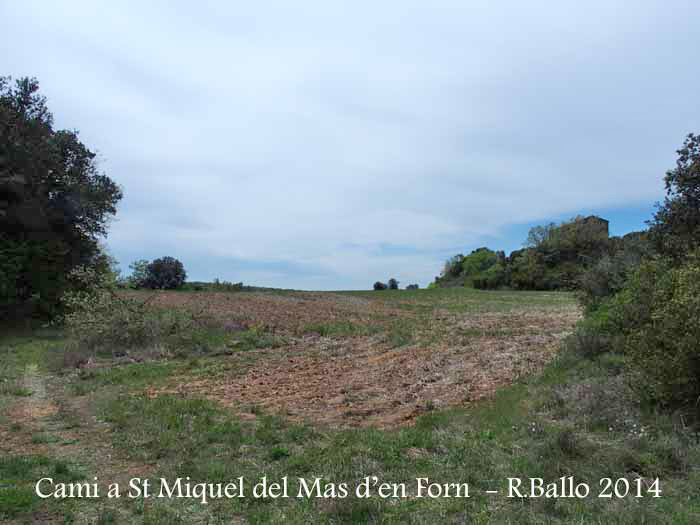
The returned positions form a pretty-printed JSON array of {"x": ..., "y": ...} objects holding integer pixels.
[{"x": 326, "y": 145}]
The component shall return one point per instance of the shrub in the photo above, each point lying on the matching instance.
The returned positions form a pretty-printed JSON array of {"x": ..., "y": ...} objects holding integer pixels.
[
  {"x": 412, "y": 287},
  {"x": 98, "y": 318},
  {"x": 609, "y": 274},
  {"x": 380, "y": 286},
  {"x": 165, "y": 273},
  {"x": 658, "y": 311},
  {"x": 495, "y": 277},
  {"x": 139, "y": 274},
  {"x": 393, "y": 284}
]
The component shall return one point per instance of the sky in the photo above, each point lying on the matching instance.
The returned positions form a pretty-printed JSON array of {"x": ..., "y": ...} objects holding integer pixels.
[{"x": 326, "y": 145}]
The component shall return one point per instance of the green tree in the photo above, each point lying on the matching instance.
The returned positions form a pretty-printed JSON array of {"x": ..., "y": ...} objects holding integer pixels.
[
  {"x": 54, "y": 202},
  {"x": 165, "y": 273},
  {"x": 675, "y": 228},
  {"x": 139, "y": 273}
]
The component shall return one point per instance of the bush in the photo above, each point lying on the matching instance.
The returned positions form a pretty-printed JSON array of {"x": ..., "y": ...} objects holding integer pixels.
[
  {"x": 393, "y": 284},
  {"x": 658, "y": 312},
  {"x": 139, "y": 274},
  {"x": 412, "y": 287},
  {"x": 495, "y": 277},
  {"x": 380, "y": 286},
  {"x": 594, "y": 335},
  {"x": 609, "y": 274},
  {"x": 98, "y": 318},
  {"x": 165, "y": 273}
]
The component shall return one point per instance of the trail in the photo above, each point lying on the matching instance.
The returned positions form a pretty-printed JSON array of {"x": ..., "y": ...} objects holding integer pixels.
[{"x": 49, "y": 423}]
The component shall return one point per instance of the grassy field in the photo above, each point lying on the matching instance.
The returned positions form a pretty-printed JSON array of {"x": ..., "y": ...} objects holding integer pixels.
[{"x": 454, "y": 385}]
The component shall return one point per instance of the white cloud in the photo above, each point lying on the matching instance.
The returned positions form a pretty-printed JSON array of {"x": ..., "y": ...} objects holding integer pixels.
[{"x": 314, "y": 139}]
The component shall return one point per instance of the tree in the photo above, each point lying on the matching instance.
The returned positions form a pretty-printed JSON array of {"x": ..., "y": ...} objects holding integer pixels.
[
  {"x": 675, "y": 228},
  {"x": 165, "y": 273},
  {"x": 453, "y": 266},
  {"x": 139, "y": 273},
  {"x": 412, "y": 287},
  {"x": 379, "y": 286},
  {"x": 539, "y": 236},
  {"x": 393, "y": 284},
  {"x": 54, "y": 202}
]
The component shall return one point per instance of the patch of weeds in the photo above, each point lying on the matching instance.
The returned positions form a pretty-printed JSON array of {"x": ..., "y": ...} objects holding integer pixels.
[
  {"x": 254, "y": 338},
  {"x": 16, "y": 500},
  {"x": 14, "y": 388},
  {"x": 268, "y": 430},
  {"x": 255, "y": 410},
  {"x": 148, "y": 372},
  {"x": 108, "y": 517},
  {"x": 569, "y": 443},
  {"x": 153, "y": 428},
  {"x": 354, "y": 510},
  {"x": 278, "y": 452},
  {"x": 400, "y": 333},
  {"x": 343, "y": 328},
  {"x": 162, "y": 515},
  {"x": 43, "y": 438},
  {"x": 18, "y": 474}
]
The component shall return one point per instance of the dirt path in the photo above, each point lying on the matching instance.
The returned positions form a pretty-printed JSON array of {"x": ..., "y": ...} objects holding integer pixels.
[{"x": 48, "y": 423}]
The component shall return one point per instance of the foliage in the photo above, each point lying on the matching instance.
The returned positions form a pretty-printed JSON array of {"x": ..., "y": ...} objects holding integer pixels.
[
  {"x": 453, "y": 266},
  {"x": 54, "y": 203},
  {"x": 675, "y": 228},
  {"x": 99, "y": 318},
  {"x": 412, "y": 287},
  {"x": 541, "y": 236},
  {"x": 380, "y": 286},
  {"x": 609, "y": 274},
  {"x": 139, "y": 273},
  {"x": 554, "y": 258},
  {"x": 393, "y": 284},
  {"x": 642, "y": 298},
  {"x": 658, "y": 312},
  {"x": 165, "y": 273}
]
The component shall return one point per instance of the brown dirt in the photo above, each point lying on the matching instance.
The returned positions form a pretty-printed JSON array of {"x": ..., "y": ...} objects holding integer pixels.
[
  {"x": 288, "y": 313},
  {"x": 362, "y": 381}
]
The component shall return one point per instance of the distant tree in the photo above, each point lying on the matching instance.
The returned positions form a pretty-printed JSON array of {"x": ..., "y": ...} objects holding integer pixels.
[
  {"x": 393, "y": 284},
  {"x": 453, "y": 266},
  {"x": 540, "y": 236},
  {"x": 165, "y": 273},
  {"x": 139, "y": 273},
  {"x": 380, "y": 286},
  {"x": 54, "y": 202},
  {"x": 412, "y": 287},
  {"x": 675, "y": 228}
]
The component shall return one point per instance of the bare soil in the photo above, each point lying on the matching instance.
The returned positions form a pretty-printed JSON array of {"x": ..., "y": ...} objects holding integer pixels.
[{"x": 452, "y": 359}]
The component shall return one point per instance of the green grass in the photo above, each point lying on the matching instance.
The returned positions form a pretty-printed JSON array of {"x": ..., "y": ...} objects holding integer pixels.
[
  {"x": 520, "y": 432},
  {"x": 18, "y": 474},
  {"x": 133, "y": 375},
  {"x": 340, "y": 328},
  {"x": 468, "y": 299}
]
